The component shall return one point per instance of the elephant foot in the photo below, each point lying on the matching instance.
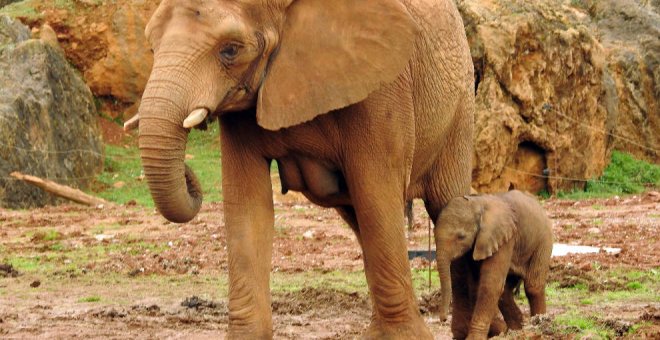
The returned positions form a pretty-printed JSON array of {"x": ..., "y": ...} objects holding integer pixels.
[
  {"x": 414, "y": 329},
  {"x": 249, "y": 332},
  {"x": 497, "y": 327}
]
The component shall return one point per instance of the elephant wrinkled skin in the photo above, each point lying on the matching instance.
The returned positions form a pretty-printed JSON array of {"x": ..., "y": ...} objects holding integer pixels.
[
  {"x": 363, "y": 105},
  {"x": 493, "y": 242}
]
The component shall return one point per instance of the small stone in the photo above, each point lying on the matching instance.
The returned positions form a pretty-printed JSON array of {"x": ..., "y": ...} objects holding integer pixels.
[
  {"x": 35, "y": 284},
  {"x": 309, "y": 234},
  {"x": 119, "y": 184}
]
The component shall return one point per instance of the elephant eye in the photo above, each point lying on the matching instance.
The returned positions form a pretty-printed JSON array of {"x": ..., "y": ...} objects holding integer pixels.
[
  {"x": 229, "y": 52},
  {"x": 461, "y": 236}
]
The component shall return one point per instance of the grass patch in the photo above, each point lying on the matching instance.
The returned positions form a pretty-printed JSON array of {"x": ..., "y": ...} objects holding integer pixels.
[
  {"x": 102, "y": 228},
  {"x": 586, "y": 302},
  {"x": 123, "y": 164},
  {"x": 624, "y": 175},
  {"x": 579, "y": 325},
  {"x": 57, "y": 247},
  {"x": 24, "y": 263},
  {"x": 336, "y": 280},
  {"x": 43, "y": 235},
  {"x": 22, "y": 9},
  {"x": 89, "y": 299},
  {"x": 60, "y": 258}
]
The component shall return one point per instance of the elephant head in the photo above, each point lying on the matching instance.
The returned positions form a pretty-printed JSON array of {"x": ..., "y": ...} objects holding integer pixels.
[
  {"x": 285, "y": 61},
  {"x": 481, "y": 224}
]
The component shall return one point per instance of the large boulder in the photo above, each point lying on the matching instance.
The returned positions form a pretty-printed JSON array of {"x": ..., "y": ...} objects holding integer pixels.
[
  {"x": 630, "y": 34},
  {"x": 4, "y": 3},
  {"x": 47, "y": 119},
  {"x": 123, "y": 71},
  {"x": 105, "y": 41},
  {"x": 552, "y": 98}
]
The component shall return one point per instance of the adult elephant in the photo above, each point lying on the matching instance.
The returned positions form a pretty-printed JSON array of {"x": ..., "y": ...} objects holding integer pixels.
[{"x": 363, "y": 104}]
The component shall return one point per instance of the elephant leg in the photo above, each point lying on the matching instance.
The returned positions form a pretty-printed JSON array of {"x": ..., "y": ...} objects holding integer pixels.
[
  {"x": 510, "y": 310},
  {"x": 492, "y": 277},
  {"x": 462, "y": 305},
  {"x": 248, "y": 211},
  {"x": 535, "y": 280},
  {"x": 451, "y": 174},
  {"x": 497, "y": 327},
  {"x": 347, "y": 213},
  {"x": 449, "y": 177},
  {"x": 409, "y": 216},
  {"x": 379, "y": 209},
  {"x": 535, "y": 292}
]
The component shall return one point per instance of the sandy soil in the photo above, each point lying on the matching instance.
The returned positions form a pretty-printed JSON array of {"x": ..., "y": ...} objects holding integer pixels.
[{"x": 155, "y": 279}]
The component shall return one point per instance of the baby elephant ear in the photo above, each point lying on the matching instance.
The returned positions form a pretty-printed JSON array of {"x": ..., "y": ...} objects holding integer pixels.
[{"x": 497, "y": 226}]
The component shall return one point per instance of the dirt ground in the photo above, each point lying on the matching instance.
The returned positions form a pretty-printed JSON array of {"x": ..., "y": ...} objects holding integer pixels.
[{"x": 124, "y": 272}]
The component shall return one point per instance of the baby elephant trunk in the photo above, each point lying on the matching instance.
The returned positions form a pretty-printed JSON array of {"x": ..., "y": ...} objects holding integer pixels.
[{"x": 445, "y": 284}]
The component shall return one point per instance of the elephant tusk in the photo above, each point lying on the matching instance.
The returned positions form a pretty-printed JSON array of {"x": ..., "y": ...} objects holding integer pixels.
[
  {"x": 132, "y": 123},
  {"x": 195, "y": 117}
]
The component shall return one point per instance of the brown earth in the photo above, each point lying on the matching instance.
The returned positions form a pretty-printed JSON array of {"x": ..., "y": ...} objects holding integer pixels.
[{"x": 156, "y": 279}]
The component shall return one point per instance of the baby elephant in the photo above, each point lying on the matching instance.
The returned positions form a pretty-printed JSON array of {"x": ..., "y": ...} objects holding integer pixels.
[{"x": 491, "y": 243}]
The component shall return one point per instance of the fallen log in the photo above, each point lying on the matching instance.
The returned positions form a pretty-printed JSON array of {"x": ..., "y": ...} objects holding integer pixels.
[{"x": 60, "y": 190}]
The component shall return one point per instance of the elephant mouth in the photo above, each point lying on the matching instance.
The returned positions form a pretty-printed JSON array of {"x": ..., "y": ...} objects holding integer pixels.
[{"x": 238, "y": 98}]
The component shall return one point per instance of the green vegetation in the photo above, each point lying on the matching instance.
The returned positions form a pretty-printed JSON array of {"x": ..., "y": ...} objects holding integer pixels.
[
  {"x": 22, "y": 9},
  {"x": 628, "y": 287},
  {"x": 102, "y": 228},
  {"x": 123, "y": 164},
  {"x": 89, "y": 299},
  {"x": 334, "y": 280},
  {"x": 624, "y": 175},
  {"x": 26, "y": 264},
  {"x": 60, "y": 258},
  {"x": 343, "y": 281},
  {"x": 576, "y": 323}
]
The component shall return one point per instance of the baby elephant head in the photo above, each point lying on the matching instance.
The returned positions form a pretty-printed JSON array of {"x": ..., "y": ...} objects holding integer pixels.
[
  {"x": 481, "y": 224},
  {"x": 478, "y": 223}
]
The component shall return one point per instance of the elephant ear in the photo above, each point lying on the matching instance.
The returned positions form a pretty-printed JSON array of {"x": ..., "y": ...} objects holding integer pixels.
[
  {"x": 333, "y": 54},
  {"x": 496, "y": 227}
]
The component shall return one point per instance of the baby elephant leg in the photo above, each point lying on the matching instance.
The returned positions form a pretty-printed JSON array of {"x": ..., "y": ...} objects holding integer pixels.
[
  {"x": 535, "y": 280},
  {"x": 535, "y": 293},
  {"x": 507, "y": 304}
]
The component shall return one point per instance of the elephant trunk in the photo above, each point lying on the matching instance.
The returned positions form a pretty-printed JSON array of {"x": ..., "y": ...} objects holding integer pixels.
[
  {"x": 162, "y": 139},
  {"x": 445, "y": 285}
]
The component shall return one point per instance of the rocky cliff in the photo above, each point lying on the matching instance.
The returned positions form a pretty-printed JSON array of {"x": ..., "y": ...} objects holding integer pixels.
[
  {"x": 48, "y": 122},
  {"x": 556, "y": 91}
]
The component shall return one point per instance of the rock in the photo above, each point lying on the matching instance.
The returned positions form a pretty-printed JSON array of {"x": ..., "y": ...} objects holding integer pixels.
[
  {"x": 539, "y": 110},
  {"x": 4, "y": 3},
  {"x": 309, "y": 234},
  {"x": 630, "y": 34},
  {"x": 7, "y": 270},
  {"x": 124, "y": 70},
  {"x": 48, "y": 35},
  {"x": 12, "y": 31},
  {"x": 47, "y": 119},
  {"x": 559, "y": 85},
  {"x": 35, "y": 284}
]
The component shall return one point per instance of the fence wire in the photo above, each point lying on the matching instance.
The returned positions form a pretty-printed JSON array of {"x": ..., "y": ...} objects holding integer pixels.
[{"x": 547, "y": 108}]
